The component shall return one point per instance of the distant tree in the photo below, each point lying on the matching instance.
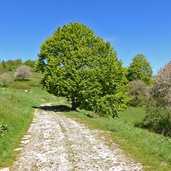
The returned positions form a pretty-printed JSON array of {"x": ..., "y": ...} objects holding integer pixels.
[
  {"x": 162, "y": 89},
  {"x": 5, "y": 78},
  {"x": 22, "y": 73},
  {"x": 84, "y": 68},
  {"x": 3, "y": 67},
  {"x": 3, "y": 64},
  {"x": 140, "y": 69},
  {"x": 30, "y": 63},
  {"x": 13, "y": 64},
  {"x": 17, "y": 63}
]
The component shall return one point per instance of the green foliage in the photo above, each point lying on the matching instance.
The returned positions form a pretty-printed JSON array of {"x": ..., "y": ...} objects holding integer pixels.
[
  {"x": 25, "y": 85},
  {"x": 13, "y": 64},
  {"x": 109, "y": 105},
  {"x": 3, "y": 129},
  {"x": 34, "y": 81},
  {"x": 157, "y": 119},
  {"x": 3, "y": 64},
  {"x": 30, "y": 63},
  {"x": 138, "y": 92},
  {"x": 5, "y": 79},
  {"x": 84, "y": 68},
  {"x": 140, "y": 69},
  {"x": 3, "y": 67},
  {"x": 158, "y": 110}
]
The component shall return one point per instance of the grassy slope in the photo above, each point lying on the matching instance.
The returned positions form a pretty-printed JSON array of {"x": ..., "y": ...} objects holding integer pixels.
[
  {"x": 152, "y": 150},
  {"x": 17, "y": 112}
]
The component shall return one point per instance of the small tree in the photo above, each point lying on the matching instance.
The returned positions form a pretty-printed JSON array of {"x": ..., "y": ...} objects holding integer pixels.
[
  {"x": 158, "y": 118},
  {"x": 84, "y": 68},
  {"x": 140, "y": 69},
  {"x": 22, "y": 73},
  {"x": 5, "y": 78}
]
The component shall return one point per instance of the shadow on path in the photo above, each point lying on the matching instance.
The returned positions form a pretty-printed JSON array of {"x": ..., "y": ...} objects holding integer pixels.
[
  {"x": 61, "y": 108},
  {"x": 57, "y": 108}
]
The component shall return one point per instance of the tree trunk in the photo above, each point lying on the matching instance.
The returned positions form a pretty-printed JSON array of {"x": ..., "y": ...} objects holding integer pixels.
[{"x": 74, "y": 104}]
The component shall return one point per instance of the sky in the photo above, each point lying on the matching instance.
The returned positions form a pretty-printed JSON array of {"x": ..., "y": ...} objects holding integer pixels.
[{"x": 132, "y": 26}]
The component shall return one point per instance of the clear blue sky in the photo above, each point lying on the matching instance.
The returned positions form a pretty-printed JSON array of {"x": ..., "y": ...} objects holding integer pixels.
[{"x": 132, "y": 26}]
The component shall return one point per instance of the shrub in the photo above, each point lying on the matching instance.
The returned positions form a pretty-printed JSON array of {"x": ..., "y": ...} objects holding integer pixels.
[
  {"x": 138, "y": 92},
  {"x": 5, "y": 78},
  {"x": 158, "y": 118}
]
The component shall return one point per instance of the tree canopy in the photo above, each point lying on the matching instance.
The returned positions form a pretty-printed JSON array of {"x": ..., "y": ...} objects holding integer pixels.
[
  {"x": 84, "y": 68},
  {"x": 140, "y": 69}
]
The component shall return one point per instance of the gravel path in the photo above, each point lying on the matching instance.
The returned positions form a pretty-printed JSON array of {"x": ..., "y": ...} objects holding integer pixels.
[{"x": 55, "y": 142}]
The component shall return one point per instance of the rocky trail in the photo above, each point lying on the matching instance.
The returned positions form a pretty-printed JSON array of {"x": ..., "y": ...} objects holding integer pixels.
[{"x": 57, "y": 143}]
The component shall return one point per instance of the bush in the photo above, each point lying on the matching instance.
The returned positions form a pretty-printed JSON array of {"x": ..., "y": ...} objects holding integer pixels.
[
  {"x": 158, "y": 118},
  {"x": 5, "y": 78},
  {"x": 138, "y": 92}
]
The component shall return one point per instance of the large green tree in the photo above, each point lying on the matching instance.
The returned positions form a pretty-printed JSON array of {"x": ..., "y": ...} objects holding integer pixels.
[
  {"x": 84, "y": 68},
  {"x": 140, "y": 69}
]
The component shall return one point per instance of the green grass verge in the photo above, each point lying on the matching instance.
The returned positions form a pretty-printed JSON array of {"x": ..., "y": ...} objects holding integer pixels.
[
  {"x": 152, "y": 150},
  {"x": 16, "y": 112}
]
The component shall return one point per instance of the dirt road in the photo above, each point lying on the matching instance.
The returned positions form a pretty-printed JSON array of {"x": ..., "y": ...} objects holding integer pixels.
[{"x": 55, "y": 142}]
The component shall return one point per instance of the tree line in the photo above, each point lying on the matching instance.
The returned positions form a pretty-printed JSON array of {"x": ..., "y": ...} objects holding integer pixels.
[
  {"x": 15, "y": 70},
  {"x": 11, "y": 65}
]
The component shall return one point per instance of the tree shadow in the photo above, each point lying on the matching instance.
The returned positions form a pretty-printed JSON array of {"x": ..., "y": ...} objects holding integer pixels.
[
  {"x": 56, "y": 108},
  {"x": 61, "y": 108}
]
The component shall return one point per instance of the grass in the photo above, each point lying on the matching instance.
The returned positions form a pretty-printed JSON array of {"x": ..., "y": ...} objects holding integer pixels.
[
  {"x": 16, "y": 113},
  {"x": 152, "y": 150}
]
